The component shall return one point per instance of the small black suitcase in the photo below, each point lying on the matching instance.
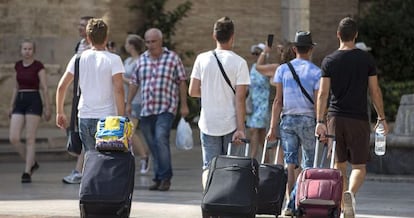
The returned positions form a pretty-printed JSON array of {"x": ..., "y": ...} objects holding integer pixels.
[
  {"x": 231, "y": 186},
  {"x": 272, "y": 185},
  {"x": 107, "y": 184}
]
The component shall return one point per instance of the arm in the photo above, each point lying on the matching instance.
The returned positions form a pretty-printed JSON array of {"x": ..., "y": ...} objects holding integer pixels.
[
  {"x": 240, "y": 112},
  {"x": 194, "y": 90},
  {"x": 13, "y": 99},
  {"x": 376, "y": 98},
  {"x": 321, "y": 103},
  {"x": 262, "y": 67},
  {"x": 45, "y": 94},
  {"x": 184, "y": 111},
  {"x": 132, "y": 91},
  {"x": 276, "y": 111},
  {"x": 119, "y": 93},
  {"x": 65, "y": 81}
]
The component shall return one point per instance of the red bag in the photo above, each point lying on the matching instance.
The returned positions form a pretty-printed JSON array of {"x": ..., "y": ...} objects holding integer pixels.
[{"x": 319, "y": 190}]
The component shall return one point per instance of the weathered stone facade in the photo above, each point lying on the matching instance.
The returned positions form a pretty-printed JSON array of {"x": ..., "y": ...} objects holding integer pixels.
[{"x": 53, "y": 25}]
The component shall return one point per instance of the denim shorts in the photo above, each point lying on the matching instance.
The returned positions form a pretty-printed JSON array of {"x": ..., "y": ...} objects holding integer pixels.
[
  {"x": 296, "y": 131},
  {"x": 87, "y": 131},
  {"x": 212, "y": 146}
]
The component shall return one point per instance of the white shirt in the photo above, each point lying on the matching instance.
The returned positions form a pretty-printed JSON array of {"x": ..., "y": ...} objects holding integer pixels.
[
  {"x": 96, "y": 69},
  {"x": 218, "y": 102}
]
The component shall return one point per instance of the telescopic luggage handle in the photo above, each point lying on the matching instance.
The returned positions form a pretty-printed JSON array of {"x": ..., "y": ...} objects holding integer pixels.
[
  {"x": 324, "y": 152},
  {"x": 277, "y": 151},
  {"x": 246, "y": 150}
]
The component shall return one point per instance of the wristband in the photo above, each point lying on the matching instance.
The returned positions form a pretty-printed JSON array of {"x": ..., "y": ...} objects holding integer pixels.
[
  {"x": 321, "y": 121},
  {"x": 380, "y": 119}
]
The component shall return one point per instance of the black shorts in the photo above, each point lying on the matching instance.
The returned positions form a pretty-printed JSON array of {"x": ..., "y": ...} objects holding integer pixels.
[
  {"x": 352, "y": 139},
  {"x": 28, "y": 102}
]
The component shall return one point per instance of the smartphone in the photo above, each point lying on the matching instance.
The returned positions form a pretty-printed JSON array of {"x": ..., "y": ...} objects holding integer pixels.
[{"x": 270, "y": 40}]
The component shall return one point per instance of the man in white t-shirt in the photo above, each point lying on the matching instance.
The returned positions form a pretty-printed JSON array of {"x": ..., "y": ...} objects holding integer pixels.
[
  {"x": 222, "y": 105},
  {"x": 100, "y": 79}
]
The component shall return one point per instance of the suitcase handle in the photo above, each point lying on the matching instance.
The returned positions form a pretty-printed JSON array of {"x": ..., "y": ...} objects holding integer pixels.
[
  {"x": 246, "y": 150},
  {"x": 277, "y": 151},
  {"x": 324, "y": 152}
]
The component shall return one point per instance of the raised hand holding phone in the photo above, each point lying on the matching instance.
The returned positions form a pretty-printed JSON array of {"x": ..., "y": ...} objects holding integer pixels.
[{"x": 270, "y": 40}]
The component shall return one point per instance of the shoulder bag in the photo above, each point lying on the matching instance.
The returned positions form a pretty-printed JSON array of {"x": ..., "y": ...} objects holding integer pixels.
[
  {"x": 296, "y": 77},
  {"x": 74, "y": 143}
]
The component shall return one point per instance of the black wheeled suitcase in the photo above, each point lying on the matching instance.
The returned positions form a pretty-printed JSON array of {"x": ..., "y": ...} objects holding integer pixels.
[
  {"x": 107, "y": 184},
  {"x": 231, "y": 186},
  {"x": 272, "y": 185}
]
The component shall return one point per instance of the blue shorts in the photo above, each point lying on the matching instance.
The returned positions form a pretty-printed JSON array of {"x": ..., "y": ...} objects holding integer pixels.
[
  {"x": 212, "y": 146},
  {"x": 295, "y": 131}
]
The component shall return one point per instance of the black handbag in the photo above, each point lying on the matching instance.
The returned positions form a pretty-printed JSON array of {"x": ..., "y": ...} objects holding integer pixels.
[{"x": 74, "y": 143}]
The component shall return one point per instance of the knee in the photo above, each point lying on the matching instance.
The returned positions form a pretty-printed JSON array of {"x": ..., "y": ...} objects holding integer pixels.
[{"x": 14, "y": 140}]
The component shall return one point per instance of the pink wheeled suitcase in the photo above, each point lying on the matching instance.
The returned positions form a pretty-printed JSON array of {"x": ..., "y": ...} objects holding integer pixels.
[{"x": 319, "y": 190}]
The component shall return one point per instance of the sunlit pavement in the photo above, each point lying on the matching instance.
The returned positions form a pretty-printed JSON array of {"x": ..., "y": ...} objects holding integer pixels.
[{"x": 47, "y": 196}]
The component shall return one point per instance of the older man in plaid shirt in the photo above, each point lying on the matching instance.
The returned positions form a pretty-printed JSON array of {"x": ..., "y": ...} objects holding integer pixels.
[{"x": 162, "y": 78}]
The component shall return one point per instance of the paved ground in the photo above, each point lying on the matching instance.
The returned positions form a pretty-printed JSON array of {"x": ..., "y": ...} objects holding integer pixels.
[{"x": 47, "y": 196}]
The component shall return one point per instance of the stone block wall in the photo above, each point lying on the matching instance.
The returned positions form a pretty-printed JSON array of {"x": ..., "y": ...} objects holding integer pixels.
[{"x": 53, "y": 25}]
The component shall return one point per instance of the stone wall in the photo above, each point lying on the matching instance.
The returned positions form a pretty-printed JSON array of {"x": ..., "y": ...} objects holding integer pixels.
[{"x": 53, "y": 25}]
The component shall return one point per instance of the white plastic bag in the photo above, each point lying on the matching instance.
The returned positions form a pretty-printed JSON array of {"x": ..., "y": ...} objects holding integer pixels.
[{"x": 184, "y": 138}]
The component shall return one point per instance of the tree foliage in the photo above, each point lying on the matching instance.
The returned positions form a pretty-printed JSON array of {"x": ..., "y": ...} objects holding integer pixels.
[
  {"x": 154, "y": 15},
  {"x": 388, "y": 27}
]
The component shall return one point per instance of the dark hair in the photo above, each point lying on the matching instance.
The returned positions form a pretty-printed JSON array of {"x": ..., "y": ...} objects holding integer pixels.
[
  {"x": 347, "y": 29},
  {"x": 303, "y": 49},
  {"x": 136, "y": 41},
  {"x": 287, "y": 53},
  {"x": 97, "y": 31},
  {"x": 223, "y": 29}
]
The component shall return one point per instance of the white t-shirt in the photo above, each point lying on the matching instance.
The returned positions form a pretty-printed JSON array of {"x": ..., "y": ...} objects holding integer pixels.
[
  {"x": 96, "y": 69},
  {"x": 218, "y": 102}
]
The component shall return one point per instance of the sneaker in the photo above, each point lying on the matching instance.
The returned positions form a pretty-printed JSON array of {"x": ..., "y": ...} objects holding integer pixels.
[
  {"x": 349, "y": 205},
  {"x": 287, "y": 212},
  {"x": 164, "y": 185},
  {"x": 145, "y": 165},
  {"x": 26, "y": 178},
  {"x": 34, "y": 167},
  {"x": 73, "y": 178},
  {"x": 154, "y": 186}
]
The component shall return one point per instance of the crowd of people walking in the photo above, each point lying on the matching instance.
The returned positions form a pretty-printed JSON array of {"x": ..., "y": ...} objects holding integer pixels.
[{"x": 150, "y": 87}]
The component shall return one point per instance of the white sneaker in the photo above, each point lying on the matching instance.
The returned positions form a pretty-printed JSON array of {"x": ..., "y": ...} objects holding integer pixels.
[
  {"x": 145, "y": 165},
  {"x": 349, "y": 205},
  {"x": 287, "y": 212},
  {"x": 73, "y": 178}
]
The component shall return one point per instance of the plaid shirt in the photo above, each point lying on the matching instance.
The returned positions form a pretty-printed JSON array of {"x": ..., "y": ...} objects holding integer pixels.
[{"x": 159, "y": 81}]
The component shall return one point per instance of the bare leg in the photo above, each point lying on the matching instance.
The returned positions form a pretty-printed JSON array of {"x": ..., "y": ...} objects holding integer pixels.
[
  {"x": 342, "y": 167},
  {"x": 138, "y": 145},
  {"x": 291, "y": 179},
  {"x": 79, "y": 162},
  {"x": 357, "y": 177},
  {"x": 16, "y": 126},
  {"x": 32, "y": 122},
  {"x": 257, "y": 139}
]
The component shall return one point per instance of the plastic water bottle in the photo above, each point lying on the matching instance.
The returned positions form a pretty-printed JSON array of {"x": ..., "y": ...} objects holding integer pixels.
[{"x": 380, "y": 140}]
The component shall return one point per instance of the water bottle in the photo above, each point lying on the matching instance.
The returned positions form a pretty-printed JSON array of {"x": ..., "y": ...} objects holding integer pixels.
[{"x": 380, "y": 140}]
